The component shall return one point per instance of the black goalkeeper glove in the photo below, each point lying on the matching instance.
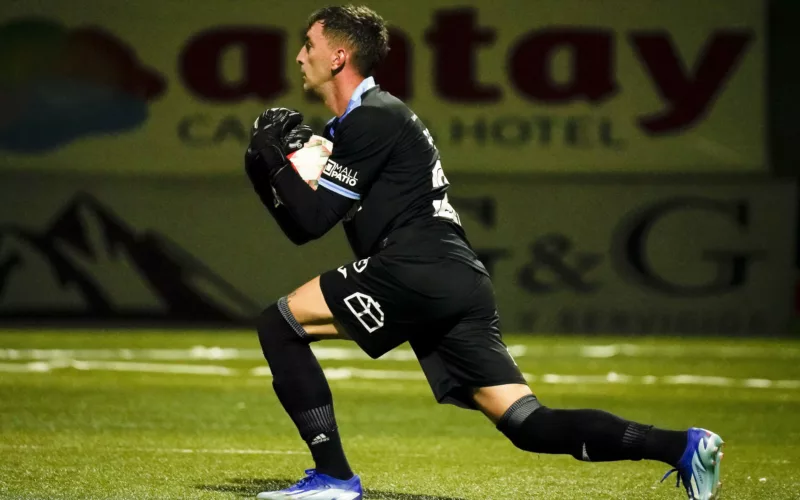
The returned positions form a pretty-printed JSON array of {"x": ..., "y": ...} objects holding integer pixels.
[
  {"x": 296, "y": 139},
  {"x": 268, "y": 138},
  {"x": 259, "y": 171}
]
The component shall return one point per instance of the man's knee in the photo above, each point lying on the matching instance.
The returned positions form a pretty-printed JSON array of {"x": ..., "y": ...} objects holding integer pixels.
[
  {"x": 276, "y": 326},
  {"x": 530, "y": 426},
  {"x": 516, "y": 426}
]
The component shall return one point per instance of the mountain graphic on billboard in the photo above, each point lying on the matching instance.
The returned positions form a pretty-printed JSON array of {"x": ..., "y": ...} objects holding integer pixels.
[{"x": 90, "y": 265}]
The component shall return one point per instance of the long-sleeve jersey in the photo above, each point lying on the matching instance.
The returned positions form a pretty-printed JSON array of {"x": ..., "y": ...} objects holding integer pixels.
[{"x": 384, "y": 180}]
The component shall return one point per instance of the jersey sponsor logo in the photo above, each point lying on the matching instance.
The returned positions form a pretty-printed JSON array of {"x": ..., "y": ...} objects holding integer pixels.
[
  {"x": 366, "y": 309},
  {"x": 342, "y": 270},
  {"x": 341, "y": 173},
  {"x": 330, "y": 165}
]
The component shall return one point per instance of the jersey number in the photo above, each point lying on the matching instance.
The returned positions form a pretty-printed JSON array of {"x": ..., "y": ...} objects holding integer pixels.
[{"x": 443, "y": 208}]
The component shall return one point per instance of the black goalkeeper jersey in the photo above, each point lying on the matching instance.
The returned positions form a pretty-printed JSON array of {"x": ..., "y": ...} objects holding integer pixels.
[
  {"x": 385, "y": 160},
  {"x": 384, "y": 180}
]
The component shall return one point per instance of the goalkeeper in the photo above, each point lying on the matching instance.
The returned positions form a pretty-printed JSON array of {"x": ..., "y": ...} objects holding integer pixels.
[{"x": 415, "y": 278}]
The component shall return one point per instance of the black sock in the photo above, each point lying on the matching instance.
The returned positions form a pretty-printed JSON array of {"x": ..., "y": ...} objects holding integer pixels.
[
  {"x": 589, "y": 435},
  {"x": 302, "y": 389},
  {"x": 665, "y": 446},
  {"x": 318, "y": 429}
]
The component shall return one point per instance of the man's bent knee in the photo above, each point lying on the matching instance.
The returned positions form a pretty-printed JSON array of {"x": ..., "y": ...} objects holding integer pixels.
[
  {"x": 515, "y": 426},
  {"x": 305, "y": 312},
  {"x": 275, "y": 329},
  {"x": 494, "y": 401}
]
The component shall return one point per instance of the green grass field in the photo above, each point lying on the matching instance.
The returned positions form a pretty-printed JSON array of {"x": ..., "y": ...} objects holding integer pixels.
[{"x": 158, "y": 415}]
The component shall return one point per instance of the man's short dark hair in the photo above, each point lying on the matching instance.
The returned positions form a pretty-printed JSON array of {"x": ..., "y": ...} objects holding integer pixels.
[{"x": 358, "y": 26}]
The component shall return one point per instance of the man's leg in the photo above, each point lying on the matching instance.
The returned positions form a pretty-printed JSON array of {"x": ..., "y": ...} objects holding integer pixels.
[
  {"x": 598, "y": 436},
  {"x": 285, "y": 330},
  {"x": 590, "y": 435},
  {"x": 361, "y": 296}
]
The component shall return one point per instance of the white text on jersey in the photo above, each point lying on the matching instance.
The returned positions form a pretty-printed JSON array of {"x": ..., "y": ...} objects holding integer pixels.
[{"x": 340, "y": 173}]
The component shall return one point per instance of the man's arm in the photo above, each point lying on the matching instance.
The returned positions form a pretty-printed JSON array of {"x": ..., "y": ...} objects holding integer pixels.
[
  {"x": 315, "y": 212},
  {"x": 361, "y": 147},
  {"x": 260, "y": 181}
]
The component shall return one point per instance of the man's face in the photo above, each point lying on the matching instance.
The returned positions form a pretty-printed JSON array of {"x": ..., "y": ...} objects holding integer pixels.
[{"x": 316, "y": 59}]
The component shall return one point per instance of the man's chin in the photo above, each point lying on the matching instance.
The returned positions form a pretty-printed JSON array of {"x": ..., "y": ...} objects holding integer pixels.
[{"x": 313, "y": 92}]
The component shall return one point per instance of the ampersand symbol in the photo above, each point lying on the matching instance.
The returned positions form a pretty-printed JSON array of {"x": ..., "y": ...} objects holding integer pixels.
[{"x": 551, "y": 252}]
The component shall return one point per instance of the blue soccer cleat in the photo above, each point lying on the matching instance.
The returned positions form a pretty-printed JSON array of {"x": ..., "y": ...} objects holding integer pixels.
[
  {"x": 698, "y": 468},
  {"x": 316, "y": 486}
]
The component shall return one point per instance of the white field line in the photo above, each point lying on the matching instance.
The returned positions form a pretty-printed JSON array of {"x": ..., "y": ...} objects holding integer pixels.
[
  {"x": 204, "y": 353},
  {"x": 160, "y": 450},
  {"x": 677, "y": 351},
  {"x": 116, "y": 366},
  {"x": 196, "y": 353},
  {"x": 182, "y": 451},
  {"x": 348, "y": 373}
]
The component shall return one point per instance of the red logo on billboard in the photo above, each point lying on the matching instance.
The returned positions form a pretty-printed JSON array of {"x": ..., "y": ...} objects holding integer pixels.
[{"x": 688, "y": 88}]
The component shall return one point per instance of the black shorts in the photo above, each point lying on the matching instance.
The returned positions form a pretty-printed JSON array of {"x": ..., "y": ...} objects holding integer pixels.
[{"x": 444, "y": 308}]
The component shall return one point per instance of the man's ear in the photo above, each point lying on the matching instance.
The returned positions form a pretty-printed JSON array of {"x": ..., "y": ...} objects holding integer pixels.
[{"x": 339, "y": 60}]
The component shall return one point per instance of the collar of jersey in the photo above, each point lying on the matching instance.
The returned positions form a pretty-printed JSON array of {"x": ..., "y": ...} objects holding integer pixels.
[{"x": 355, "y": 99}]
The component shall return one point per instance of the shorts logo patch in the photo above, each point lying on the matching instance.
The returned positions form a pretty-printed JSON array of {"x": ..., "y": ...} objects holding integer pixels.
[
  {"x": 366, "y": 310},
  {"x": 360, "y": 265}
]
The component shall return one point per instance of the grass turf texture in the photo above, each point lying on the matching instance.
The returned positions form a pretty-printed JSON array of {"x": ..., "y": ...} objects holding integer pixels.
[{"x": 98, "y": 433}]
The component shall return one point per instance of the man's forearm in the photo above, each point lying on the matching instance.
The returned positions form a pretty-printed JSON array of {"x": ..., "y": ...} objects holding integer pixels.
[
  {"x": 288, "y": 225},
  {"x": 314, "y": 213}
]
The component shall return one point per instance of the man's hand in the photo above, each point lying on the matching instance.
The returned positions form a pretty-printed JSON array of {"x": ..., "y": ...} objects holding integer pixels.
[
  {"x": 267, "y": 138},
  {"x": 257, "y": 169},
  {"x": 296, "y": 139}
]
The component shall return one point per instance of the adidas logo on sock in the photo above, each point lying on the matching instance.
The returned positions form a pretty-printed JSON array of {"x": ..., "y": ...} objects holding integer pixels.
[{"x": 321, "y": 438}]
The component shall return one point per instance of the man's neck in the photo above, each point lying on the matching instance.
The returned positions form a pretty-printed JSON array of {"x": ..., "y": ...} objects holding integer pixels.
[{"x": 337, "y": 95}]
